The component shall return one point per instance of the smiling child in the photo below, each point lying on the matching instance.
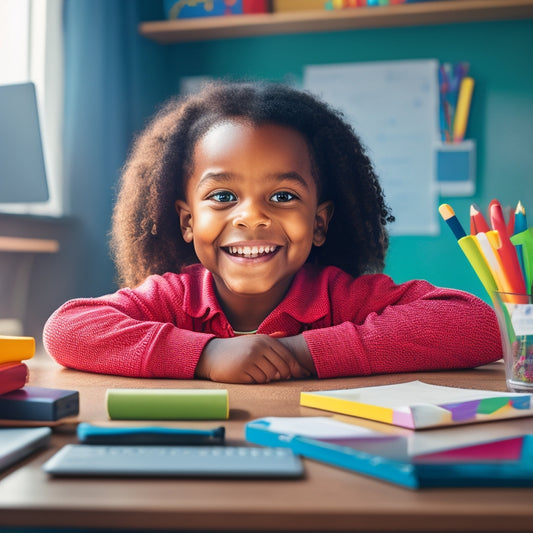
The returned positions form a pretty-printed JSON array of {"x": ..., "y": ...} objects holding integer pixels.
[{"x": 249, "y": 236}]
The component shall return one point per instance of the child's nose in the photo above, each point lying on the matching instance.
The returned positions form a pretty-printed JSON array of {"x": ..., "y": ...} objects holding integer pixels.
[{"x": 251, "y": 215}]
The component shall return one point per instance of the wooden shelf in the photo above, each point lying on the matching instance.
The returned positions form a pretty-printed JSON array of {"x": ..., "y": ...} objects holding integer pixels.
[
  {"x": 23, "y": 244},
  {"x": 417, "y": 14}
]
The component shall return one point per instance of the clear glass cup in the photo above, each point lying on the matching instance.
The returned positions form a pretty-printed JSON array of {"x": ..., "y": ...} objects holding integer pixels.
[{"x": 515, "y": 318}]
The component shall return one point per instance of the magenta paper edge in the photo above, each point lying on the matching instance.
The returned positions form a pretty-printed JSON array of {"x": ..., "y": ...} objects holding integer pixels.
[{"x": 403, "y": 419}]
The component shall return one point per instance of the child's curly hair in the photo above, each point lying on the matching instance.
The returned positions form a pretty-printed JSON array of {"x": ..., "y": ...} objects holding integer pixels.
[{"x": 146, "y": 236}]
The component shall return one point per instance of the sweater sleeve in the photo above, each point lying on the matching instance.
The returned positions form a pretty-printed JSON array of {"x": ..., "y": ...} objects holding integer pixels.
[
  {"x": 382, "y": 327},
  {"x": 135, "y": 333}
]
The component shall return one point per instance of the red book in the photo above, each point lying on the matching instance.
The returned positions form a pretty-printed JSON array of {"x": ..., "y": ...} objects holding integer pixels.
[{"x": 13, "y": 376}]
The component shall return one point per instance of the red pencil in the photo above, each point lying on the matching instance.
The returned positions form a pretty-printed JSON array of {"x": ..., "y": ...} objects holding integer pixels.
[
  {"x": 507, "y": 251},
  {"x": 478, "y": 224},
  {"x": 510, "y": 224}
]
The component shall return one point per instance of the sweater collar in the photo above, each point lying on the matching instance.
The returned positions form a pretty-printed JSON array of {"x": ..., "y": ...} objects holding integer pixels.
[
  {"x": 201, "y": 300},
  {"x": 306, "y": 301}
]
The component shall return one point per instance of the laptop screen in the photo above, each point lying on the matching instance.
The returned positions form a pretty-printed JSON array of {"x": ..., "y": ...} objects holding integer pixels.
[{"x": 22, "y": 168}]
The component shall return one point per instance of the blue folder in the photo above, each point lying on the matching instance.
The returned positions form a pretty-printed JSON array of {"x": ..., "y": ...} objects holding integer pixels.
[{"x": 444, "y": 469}]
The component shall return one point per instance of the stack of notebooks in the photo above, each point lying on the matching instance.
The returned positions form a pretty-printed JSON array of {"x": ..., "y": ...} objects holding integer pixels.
[
  {"x": 13, "y": 371},
  {"x": 23, "y": 404},
  {"x": 412, "y": 434}
]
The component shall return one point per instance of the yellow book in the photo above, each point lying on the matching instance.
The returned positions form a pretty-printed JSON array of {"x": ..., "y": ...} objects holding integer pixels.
[
  {"x": 346, "y": 405},
  {"x": 13, "y": 349},
  {"x": 417, "y": 405}
]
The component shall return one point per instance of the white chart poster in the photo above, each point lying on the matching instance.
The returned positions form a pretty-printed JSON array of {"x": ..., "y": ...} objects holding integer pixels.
[{"x": 393, "y": 107}]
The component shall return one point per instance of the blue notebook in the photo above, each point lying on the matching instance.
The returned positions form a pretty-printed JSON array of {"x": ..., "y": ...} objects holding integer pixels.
[{"x": 477, "y": 462}]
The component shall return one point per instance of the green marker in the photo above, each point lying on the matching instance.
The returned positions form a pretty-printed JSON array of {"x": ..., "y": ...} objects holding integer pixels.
[{"x": 167, "y": 404}]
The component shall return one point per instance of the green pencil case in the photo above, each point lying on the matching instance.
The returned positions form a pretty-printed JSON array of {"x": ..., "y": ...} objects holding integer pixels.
[{"x": 167, "y": 404}]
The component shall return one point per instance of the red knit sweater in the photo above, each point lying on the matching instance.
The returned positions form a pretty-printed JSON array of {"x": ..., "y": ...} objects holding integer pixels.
[{"x": 352, "y": 326}]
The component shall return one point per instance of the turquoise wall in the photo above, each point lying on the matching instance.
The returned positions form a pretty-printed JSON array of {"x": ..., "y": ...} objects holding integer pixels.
[{"x": 501, "y": 58}]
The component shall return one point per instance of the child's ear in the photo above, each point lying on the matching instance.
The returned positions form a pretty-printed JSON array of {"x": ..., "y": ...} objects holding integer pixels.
[
  {"x": 185, "y": 216},
  {"x": 323, "y": 215}
]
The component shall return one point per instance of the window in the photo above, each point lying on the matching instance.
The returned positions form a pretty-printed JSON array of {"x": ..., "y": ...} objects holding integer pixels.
[{"x": 31, "y": 50}]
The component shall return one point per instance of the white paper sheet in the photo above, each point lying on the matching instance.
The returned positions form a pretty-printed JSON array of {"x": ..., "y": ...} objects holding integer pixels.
[
  {"x": 404, "y": 396},
  {"x": 393, "y": 107},
  {"x": 318, "y": 427}
]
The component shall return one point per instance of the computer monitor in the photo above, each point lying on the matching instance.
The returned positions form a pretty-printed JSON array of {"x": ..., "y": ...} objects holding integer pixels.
[{"x": 22, "y": 167}]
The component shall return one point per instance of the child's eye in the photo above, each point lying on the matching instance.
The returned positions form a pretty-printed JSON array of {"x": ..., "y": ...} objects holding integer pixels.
[
  {"x": 223, "y": 197},
  {"x": 282, "y": 196}
]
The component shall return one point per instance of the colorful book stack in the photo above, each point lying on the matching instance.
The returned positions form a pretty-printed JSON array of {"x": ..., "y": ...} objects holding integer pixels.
[
  {"x": 500, "y": 253},
  {"x": 13, "y": 372},
  {"x": 21, "y": 402}
]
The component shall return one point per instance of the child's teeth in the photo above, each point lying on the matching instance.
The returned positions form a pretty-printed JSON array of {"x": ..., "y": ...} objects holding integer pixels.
[{"x": 251, "y": 251}]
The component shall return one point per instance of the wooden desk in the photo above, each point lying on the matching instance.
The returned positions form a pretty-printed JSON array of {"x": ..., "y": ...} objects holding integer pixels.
[{"x": 328, "y": 499}]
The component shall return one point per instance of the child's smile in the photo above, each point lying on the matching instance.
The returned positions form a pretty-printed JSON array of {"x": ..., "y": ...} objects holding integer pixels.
[
  {"x": 248, "y": 251},
  {"x": 252, "y": 212}
]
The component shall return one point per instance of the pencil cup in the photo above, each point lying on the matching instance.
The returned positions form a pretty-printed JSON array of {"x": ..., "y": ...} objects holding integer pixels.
[{"x": 515, "y": 318}]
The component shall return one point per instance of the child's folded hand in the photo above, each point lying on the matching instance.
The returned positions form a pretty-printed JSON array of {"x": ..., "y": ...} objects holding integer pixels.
[{"x": 248, "y": 359}]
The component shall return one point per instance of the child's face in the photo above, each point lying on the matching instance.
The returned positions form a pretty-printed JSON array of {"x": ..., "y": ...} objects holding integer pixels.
[{"x": 251, "y": 208}]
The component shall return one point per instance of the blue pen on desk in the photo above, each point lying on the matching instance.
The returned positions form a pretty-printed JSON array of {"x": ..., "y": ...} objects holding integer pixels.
[{"x": 90, "y": 434}]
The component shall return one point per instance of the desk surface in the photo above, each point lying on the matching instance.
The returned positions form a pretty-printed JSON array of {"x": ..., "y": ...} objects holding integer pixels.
[{"x": 328, "y": 499}]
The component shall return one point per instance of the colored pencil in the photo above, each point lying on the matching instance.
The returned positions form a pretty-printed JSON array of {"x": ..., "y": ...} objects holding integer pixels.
[
  {"x": 507, "y": 251},
  {"x": 471, "y": 248},
  {"x": 463, "y": 108},
  {"x": 477, "y": 221},
  {"x": 489, "y": 243},
  {"x": 520, "y": 221},
  {"x": 448, "y": 214}
]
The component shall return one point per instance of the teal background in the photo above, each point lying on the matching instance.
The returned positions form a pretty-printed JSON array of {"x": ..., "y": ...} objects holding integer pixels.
[{"x": 501, "y": 58}]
